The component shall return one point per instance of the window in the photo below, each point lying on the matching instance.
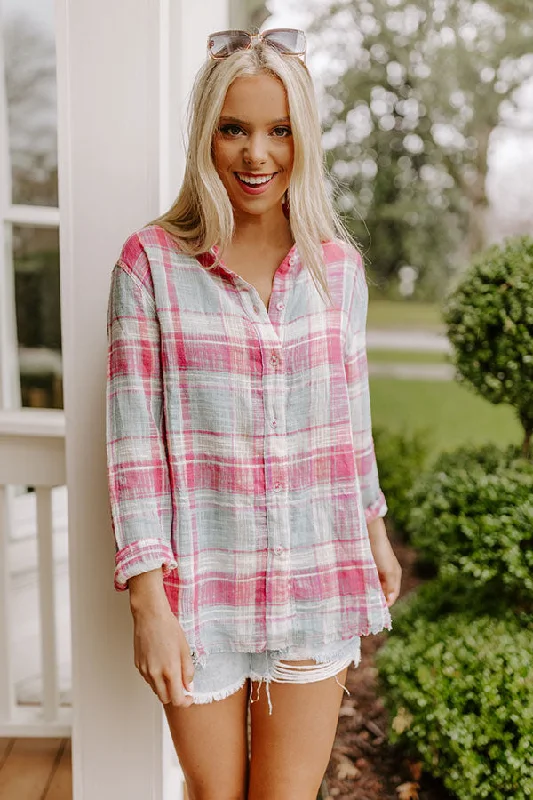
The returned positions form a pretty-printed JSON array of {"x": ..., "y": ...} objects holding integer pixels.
[{"x": 31, "y": 217}]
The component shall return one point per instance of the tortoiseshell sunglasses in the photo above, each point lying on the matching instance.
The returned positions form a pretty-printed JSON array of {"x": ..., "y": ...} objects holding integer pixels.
[{"x": 287, "y": 41}]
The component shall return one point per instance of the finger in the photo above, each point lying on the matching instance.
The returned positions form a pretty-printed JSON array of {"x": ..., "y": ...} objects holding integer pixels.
[
  {"x": 187, "y": 672},
  {"x": 391, "y": 597},
  {"x": 176, "y": 691},
  {"x": 160, "y": 688}
]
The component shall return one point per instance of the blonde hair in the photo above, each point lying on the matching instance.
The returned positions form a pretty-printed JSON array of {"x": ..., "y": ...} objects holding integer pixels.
[{"x": 202, "y": 214}]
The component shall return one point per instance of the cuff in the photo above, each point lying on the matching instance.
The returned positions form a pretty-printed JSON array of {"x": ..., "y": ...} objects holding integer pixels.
[
  {"x": 142, "y": 556},
  {"x": 377, "y": 509}
]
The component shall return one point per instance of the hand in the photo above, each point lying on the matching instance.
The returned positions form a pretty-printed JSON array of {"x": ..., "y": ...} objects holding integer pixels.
[
  {"x": 389, "y": 569},
  {"x": 162, "y": 656},
  {"x": 161, "y": 650}
]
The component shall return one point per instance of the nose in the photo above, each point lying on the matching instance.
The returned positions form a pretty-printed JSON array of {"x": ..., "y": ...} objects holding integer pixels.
[{"x": 255, "y": 151}]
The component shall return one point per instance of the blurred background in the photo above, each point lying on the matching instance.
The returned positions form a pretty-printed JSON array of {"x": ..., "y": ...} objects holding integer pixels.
[{"x": 427, "y": 111}]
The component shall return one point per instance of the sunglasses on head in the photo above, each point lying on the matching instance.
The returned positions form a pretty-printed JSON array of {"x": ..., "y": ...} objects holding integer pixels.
[{"x": 287, "y": 41}]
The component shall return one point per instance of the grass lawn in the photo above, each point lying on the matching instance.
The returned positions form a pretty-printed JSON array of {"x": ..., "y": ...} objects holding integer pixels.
[
  {"x": 404, "y": 315},
  {"x": 452, "y": 414},
  {"x": 406, "y": 357}
]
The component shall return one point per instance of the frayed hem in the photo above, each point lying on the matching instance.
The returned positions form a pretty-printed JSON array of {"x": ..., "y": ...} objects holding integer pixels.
[
  {"x": 207, "y": 697},
  {"x": 322, "y": 658},
  {"x": 287, "y": 654},
  {"x": 201, "y": 659}
]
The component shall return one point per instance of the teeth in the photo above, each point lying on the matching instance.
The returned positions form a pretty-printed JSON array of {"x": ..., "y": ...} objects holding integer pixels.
[{"x": 255, "y": 181}]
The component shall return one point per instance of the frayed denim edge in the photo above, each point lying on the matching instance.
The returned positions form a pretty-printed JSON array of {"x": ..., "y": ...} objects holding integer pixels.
[{"x": 208, "y": 697}]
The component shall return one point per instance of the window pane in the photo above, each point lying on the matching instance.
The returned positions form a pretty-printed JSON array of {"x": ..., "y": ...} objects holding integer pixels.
[
  {"x": 37, "y": 302},
  {"x": 29, "y": 65}
]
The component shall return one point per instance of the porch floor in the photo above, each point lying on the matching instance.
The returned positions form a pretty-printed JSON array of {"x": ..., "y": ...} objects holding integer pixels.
[{"x": 35, "y": 769}]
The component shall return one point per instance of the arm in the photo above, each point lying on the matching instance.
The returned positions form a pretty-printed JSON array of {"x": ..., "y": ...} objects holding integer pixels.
[
  {"x": 138, "y": 477},
  {"x": 356, "y": 365},
  {"x": 139, "y": 486},
  {"x": 374, "y": 503}
]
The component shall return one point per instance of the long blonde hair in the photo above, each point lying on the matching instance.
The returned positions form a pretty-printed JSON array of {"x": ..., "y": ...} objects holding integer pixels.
[{"x": 202, "y": 214}]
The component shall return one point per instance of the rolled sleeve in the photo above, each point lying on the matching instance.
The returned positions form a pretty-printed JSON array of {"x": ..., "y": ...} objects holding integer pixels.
[
  {"x": 142, "y": 556},
  {"x": 137, "y": 465},
  {"x": 356, "y": 364}
]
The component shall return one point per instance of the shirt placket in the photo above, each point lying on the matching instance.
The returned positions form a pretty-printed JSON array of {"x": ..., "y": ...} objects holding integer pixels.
[{"x": 278, "y": 611}]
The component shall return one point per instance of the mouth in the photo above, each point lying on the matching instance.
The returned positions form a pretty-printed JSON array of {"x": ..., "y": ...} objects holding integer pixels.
[{"x": 254, "y": 184}]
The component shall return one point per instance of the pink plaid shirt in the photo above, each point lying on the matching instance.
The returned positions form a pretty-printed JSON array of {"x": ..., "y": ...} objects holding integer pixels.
[{"x": 240, "y": 451}]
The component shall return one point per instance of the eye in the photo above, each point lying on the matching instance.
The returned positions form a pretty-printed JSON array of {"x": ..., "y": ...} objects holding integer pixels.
[
  {"x": 282, "y": 131},
  {"x": 230, "y": 129}
]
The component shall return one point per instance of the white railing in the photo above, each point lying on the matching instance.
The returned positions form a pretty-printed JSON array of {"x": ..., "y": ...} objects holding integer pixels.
[{"x": 33, "y": 563}]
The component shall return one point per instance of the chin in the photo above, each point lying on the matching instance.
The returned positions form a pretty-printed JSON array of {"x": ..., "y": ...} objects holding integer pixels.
[{"x": 258, "y": 208}]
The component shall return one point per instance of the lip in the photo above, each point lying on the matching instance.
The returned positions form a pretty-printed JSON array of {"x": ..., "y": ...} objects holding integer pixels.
[{"x": 255, "y": 189}]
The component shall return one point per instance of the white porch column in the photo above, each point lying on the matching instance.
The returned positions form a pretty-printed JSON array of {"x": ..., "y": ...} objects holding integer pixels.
[{"x": 123, "y": 68}]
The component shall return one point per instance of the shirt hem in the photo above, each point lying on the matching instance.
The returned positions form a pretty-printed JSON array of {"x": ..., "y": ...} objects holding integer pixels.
[{"x": 310, "y": 647}]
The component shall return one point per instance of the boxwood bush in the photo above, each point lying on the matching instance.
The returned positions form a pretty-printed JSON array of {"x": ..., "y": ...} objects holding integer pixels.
[
  {"x": 473, "y": 520},
  {"x": 401, "y": 459},
  {"x": 460, "y": 695},
  {"x": 488, "y": 456},
  {"x": 489, "y": 317},
  {"x": 434, "y": 599}
]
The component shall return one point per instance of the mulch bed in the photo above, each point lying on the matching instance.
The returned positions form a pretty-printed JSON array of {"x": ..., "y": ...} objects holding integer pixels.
[{"x": 364, "y": 765}]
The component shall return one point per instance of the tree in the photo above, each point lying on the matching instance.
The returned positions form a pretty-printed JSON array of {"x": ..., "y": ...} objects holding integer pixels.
[
  {"x": 408, "y": 123},
  {"x": 490, "y": 325},
  {"x": 30, "y": 78}
]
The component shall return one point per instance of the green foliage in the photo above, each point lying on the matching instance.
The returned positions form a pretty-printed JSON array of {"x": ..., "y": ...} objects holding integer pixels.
[
  {"x": 488, "y": 456},
  {"x": 472, "y": 517},
  {"x": 490, "y": 325},
  {"x": 401, "y": 458},
  {"x": 435, "y": 599},
  {"x": 460, "y": 694},
  {"x": 407, "y": 125},
  {"x": 456, "y": 675}
]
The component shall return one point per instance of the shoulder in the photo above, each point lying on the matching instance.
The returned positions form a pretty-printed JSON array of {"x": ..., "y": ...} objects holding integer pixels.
[
  {"x": 339, "y": 251},
  {"x": 345, "y": 262},
  {"x": 142, "y": 250}
]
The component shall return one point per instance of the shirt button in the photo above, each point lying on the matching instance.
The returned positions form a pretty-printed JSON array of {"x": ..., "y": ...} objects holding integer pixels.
[
  {"x": 274, "y": 359},
  {"x": 280, "y": 306},
  {"x": 256, "y": 309},
  {"x": 274, "y": 423},
  {"x": 277, "y": 487},
  {"x": 278, "y": 549}
]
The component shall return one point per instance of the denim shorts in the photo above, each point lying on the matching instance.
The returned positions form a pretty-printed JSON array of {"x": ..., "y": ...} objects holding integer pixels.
[{"x": 221, "y": 674}]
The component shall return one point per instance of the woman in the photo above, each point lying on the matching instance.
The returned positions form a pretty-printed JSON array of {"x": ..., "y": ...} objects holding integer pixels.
[{"x": 246, "y": 506}]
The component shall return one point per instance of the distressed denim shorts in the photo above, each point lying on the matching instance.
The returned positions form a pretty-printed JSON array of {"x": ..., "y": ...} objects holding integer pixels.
[{"x": 222, "y": 674}]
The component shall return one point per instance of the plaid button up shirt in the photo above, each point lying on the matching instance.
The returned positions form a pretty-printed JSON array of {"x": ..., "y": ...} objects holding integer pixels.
[{"x": 239, "y": 444}]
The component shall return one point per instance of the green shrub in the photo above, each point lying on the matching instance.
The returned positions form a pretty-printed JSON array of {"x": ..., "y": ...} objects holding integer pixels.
[
  {"x": 488, "y": 456},
  {"x": 432, "y": 600},
  {"x": 401, "y": 459},
  {"x": 460, "y": 695},
  {"x": 490, "y": 325},
  {"x": 474, "y": 522}
]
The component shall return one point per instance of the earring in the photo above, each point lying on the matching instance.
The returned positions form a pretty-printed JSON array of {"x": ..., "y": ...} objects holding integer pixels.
[{"x": 286, "y": 204}]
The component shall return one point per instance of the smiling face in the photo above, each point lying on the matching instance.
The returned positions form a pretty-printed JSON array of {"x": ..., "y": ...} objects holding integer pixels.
[{"x": 253, "y": 146}]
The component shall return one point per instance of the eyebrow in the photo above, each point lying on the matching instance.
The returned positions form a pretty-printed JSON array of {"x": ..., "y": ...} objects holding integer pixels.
[{"x": 244, "y": 122}]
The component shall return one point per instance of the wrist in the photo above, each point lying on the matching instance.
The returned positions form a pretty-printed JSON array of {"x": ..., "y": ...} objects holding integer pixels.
[
  {"x": 147, "y": 593},
  {"x": 376, "y": 527}
]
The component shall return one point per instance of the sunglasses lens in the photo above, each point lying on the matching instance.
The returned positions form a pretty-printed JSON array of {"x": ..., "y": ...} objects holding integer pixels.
[
  {"x": 286, "y": 40},
  {"x": 225, "y": 43}
]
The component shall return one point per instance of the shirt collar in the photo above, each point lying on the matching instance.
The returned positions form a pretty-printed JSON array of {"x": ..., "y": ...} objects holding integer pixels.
[{"x": 289, "y": 264}]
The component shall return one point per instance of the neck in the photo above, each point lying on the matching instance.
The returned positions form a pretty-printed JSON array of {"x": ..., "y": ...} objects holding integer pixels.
[{"x": 264, "y": 229}]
